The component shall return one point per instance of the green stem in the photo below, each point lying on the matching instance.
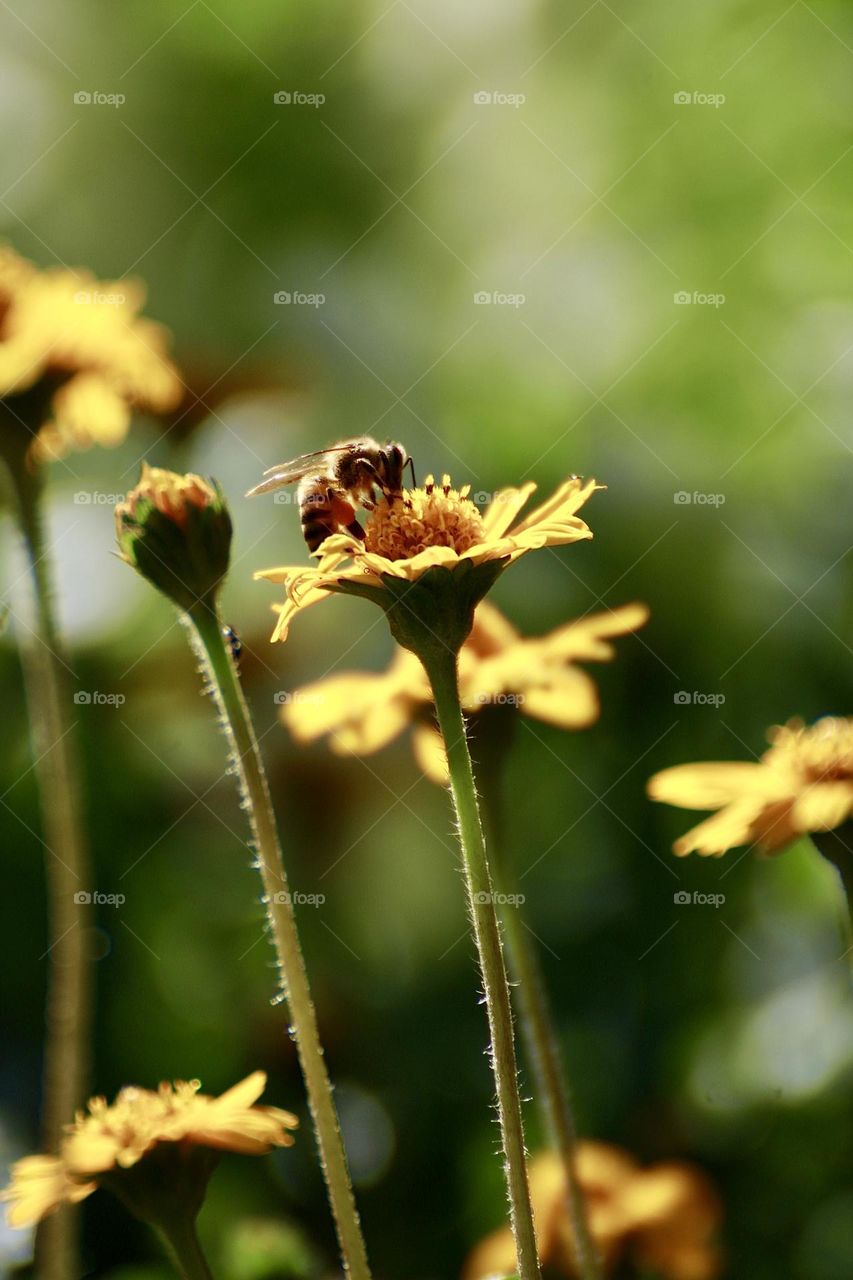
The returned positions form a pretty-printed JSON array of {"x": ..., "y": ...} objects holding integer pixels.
[
  {"x": 530, "y": 992},
  {"x": 69, "y": 981},
  {"x": 440, "y": 666},
  {"x": 247, "y": 758},
  {"x": 549, "y": 1074},
  {"x": 182, "y": 1242}
]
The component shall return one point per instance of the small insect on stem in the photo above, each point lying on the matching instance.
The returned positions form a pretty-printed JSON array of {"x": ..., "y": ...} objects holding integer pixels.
[{"x": 234, "y": 644}]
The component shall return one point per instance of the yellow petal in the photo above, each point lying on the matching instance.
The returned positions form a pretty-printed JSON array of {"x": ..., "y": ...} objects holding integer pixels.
[
  {"x": 708, "y": 786},
  {"x": 733, "y": 825},
  {"x": 568, "y": 700},
  {"x": 245, "y": 1092},
  {"x": 823, "y": 805},
  {"x": 568, "y": 498},
  {"x": 39, "y": 1185},
  {"x": 504, "y": 507},
  {"x": 585, "y": 639},
  {"x": 430, "y": 755}
]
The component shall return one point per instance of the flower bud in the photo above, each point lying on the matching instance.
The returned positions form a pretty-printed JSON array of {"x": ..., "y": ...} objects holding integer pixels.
[{"x": 175, "y": 530}]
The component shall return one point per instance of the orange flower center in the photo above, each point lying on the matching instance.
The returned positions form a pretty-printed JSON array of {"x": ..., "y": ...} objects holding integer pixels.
[{"x": 434, "y": 516}]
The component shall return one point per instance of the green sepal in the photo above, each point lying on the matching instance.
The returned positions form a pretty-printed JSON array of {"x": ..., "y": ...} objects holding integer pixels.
[
  {"x": 189, "y": 563},
  {"x": 435, "y": 613}
]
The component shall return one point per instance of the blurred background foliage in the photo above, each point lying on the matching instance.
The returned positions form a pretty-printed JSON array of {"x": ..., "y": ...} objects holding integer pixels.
[{"x": 721, "y": 1035}]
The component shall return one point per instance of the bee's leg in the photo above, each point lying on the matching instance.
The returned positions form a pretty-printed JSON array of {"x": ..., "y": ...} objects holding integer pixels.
[
  {"x": 375, "y": 478},
  {"x": 355, "y": 530}
]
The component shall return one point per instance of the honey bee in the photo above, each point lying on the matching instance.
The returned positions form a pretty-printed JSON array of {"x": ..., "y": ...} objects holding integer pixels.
[{"x": 335, "y": 482}]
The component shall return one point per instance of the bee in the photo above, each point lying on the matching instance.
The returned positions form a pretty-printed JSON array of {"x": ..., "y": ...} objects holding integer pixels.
[{"x": 335, "y": 482}]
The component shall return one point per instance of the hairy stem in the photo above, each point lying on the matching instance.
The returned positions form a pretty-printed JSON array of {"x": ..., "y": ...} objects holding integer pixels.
[
  {"x": 441, "y": 669},
  {"x": 69, "y": 979},
  {"x": 530, "y": 992},
  {"x": 247, "y": 760}
]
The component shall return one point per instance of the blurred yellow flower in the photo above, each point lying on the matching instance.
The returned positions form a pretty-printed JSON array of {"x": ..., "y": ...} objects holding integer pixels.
[
  {"x": 804, "y": 783},
  {"x": 116, "y": 1137},
  {"x": 362, "y": 712},
  {"x": 83, "y": 341},
  {"x": 662, "y": 1219},
  {"x": 436, "y": 526}
]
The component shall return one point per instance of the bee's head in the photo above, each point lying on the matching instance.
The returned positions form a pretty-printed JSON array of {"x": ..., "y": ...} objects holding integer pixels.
[{"x": 396, "y": 460}]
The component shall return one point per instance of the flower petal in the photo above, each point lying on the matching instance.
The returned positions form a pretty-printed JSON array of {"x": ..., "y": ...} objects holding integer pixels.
[
  {"x": 428, "y": 746},
  {"x": 568, "y": 700},
  {"x": 823, "y": 805},
  {"x": 735, "y": 824},
  {"x": 708, "y": 786},
  {"x": 567, "y": 499},
  {"x": 504, "y": 507}
]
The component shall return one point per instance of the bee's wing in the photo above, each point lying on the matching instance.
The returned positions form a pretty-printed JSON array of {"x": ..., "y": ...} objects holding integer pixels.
[
  {"x": 284, "y": 473},
  {"x": 293, "y": 471}
]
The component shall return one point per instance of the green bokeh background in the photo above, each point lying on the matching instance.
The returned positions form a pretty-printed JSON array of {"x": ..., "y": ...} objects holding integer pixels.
[{"x": 720, "y": 1035}]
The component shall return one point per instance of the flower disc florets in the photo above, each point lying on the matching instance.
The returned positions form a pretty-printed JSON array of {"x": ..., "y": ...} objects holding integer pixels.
[{"x": 434, "y": 516}]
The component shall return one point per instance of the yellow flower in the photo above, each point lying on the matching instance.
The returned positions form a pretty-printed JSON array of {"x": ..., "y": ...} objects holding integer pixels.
[
  {"x": 804, "y": 783},
  {"x": 362, "y": 712},
  {"x": 82, "y": 341},
  {"x": 430, "y": 528},
  {"x": 116, "y": 1137},
  {"x": 663, "y": 1218}
]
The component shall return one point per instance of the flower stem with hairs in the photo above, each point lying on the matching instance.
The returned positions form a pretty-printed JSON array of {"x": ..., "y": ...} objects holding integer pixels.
[
  {"x": 219, "y": 667},
  {"x": 69, "y": 979},
  {"x": 440, "y": 666},
  {"x": 530, "y": 992}
]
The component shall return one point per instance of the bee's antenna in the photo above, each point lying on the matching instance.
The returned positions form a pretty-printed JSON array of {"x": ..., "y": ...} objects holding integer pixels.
[{"x": 411, "y": 465}]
